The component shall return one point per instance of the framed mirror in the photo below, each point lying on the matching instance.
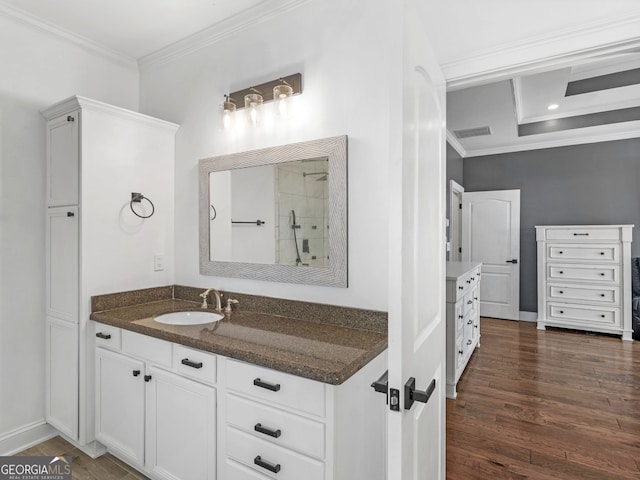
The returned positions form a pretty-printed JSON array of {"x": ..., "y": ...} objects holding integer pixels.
[{"x": 277, "y": 214}]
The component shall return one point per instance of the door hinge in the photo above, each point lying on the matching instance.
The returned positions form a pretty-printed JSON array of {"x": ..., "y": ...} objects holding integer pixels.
[{"x": 460, "y": 206}]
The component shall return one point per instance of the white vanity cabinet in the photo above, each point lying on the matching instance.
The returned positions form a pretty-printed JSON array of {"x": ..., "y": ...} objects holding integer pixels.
[
  {"x": 584, "y": 278},
  {"x": 463, "y": 318},
  {"x": 96, "y": 156},
  {"x": 151, "y": 414},
  {"x": 276, "y": 425}
]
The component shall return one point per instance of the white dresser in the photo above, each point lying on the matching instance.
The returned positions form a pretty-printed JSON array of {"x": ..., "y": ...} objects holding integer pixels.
[
  {"x": 463, "y": 318},
  {"x": 584, "y": 278}
]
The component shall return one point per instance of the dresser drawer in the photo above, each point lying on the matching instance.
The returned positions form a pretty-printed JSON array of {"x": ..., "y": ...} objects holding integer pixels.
[
  {"x": 195, "y": 364},
  {"x": 587, "y": 273},
  {"x": 265, "y": 457},
  {"x": 108, "y": 336},
  {"x": 276, "y": 426},
  {"x": 583, "y": 234},
  {"x": 276, "y": 387},
  {"x": 459, "y": 316},
  {"x": 604, "y": 253},
  {"x": 609, "y": 295},
  {"x": 459, "y": 352},
  {"x": 567, "y": 314},
  {"x": 148, "y": 348}
]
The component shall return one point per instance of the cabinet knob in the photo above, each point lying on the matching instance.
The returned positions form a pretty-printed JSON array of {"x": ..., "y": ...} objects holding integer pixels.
[
  {"x": 469, "y": 302},
  {"x": 602, "y": 316},
  {"x": 560, "y": 252},
  {"x": 460, "y": 352},
  {"x": 561, "y": 292},
  {"x": 147, "y": 378},
  {"x": 601, "y": 253},
  {"x": 476, "y": 326},
  {"x": 460, "y": 287},
  {"x": 70, "y": 118},
  {"x": 561, "y": 311},
  {"x": 560, "y": 272},
  {"x": 602, "y": 274},
  {"x": 469, "y": 322},
  {"x": 602, "y": 294},
  {"x": 71, "y": 214},
  {"x": 468, "y": 281},
  {"x": 469, "y": 342},
  {"x": 459, "y": 316},
  {"x": 136, "y": 373}
]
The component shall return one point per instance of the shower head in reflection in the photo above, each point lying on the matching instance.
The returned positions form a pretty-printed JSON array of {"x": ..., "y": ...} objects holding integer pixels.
[{"x": 323, "y": 178}]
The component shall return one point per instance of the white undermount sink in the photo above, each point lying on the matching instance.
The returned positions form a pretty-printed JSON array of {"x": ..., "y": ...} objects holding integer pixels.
[{"x": 188, "y": 318}]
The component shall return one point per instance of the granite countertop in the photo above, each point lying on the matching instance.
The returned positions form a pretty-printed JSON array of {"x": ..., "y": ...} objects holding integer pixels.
[{"x": 324, "y": 352}]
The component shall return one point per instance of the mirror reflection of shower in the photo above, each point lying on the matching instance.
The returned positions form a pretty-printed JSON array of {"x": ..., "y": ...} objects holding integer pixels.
[{"x": 302, "y": 188}]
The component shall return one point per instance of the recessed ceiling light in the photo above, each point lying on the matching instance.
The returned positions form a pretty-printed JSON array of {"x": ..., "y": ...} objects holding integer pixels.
[{"x": 553, "y": 106}]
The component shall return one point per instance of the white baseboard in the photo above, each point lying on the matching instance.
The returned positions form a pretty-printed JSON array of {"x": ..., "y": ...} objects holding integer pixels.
[
  {"x": 528, "y": 316},
  {"x": 26, "y": 437}
]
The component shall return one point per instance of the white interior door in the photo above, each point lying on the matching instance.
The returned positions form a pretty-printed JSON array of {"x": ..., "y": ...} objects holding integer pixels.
[
  {"x": 455, "y": 220},
  {"x": 416, "y": 433},
  {"x": 491, "y": 235}
]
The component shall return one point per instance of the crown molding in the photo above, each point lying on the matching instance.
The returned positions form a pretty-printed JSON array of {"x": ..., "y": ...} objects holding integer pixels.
[
  {"x": 608, "y": 35},
  {"x": 219, "y": 31},
  {"x": 20, "y": 16},
  {"x": 77, "y": 102},
  {"x": 457, "y": 146},
  {"x": 632, "y": 130}
]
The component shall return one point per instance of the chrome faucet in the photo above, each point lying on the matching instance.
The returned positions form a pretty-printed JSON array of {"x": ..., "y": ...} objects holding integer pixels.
[{"x": 217, "y": 295}]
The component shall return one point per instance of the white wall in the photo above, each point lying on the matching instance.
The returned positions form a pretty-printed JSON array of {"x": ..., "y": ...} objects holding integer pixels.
[
  {"x": 344, "y": 58},
  {"x": 37, "y": 70}
]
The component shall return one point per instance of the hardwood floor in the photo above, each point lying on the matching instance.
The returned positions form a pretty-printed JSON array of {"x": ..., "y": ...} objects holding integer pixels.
[
  {"x": 546, "y": 405},
  {"x": 83, "y": 467}
]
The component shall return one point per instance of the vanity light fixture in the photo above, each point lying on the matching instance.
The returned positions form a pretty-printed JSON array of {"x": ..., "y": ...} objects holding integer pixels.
[
  {"x": 282, "y": 98},
  {"x": 280, "y": 91},
  {"x": 228, "y": 111},
  {"x": 253, "y": 105}
]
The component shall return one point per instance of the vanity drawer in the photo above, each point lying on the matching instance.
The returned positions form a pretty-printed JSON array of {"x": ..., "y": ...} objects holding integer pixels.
[
  {"x": 583, "y": 234},
  {"x": 280, "y": 428},
  {"x": 589, "y": 273},
  {"x": 235, "y": 471},
  {"x": 250, "y": 451},
  {"x": 605, "y": 316},
  {"x": 604, "y": 253},
  {"x": 108, "y": 336},
  {"x": 585, "y": 293},
  {"x": 276, "y": 387},
  {"x": 148, "y": 348},
  {"x": 195, "y": 363}
]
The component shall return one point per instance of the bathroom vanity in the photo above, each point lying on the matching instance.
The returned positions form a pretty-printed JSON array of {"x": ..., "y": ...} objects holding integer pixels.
[{"x": 253, "y": 396}]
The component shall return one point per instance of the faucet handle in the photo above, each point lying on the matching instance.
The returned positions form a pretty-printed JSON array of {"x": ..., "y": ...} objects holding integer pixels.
[{"x": 230, "y": 303}]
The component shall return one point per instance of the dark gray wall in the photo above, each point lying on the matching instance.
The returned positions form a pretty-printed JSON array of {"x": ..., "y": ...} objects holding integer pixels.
[
  {"x": 594, "y": 184},
  {"x": 454, "y": 170}
]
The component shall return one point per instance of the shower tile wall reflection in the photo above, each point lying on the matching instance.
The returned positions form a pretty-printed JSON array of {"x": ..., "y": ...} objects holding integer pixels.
[{"x": 303, "y": 213}]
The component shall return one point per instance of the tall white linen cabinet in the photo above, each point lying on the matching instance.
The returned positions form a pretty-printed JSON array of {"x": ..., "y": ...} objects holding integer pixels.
[
  {"x": 97, "y": 155},
  {"x": 584, "y": 278}
]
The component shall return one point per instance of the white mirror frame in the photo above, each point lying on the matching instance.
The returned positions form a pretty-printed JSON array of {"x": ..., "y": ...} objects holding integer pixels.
[{"x": 335, "y": 275}]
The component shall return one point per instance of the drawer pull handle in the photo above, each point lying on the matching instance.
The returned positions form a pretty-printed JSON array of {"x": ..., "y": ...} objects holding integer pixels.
[
  {"x": 269, "y": 386},
  {"x": 105, "y": 336},
  {"x": 469, "y": 342},
  {"x": 561, "y": 311},
  {"x": 560, "y": 252},
  {"x": 561, "y": 272},
  {"x": 473, "y": 278},
  {"x": 602, "y": 274},
  {"x": 561, "y": 292},
  {"x": 266, "y": 465},
  {"x": 469, "y": 302},
  {"x": 267, "y": 431},
  {"x": 602, "y": 294},
  {"x": 147, "y": 378},
  {"x": 460, "y": 352},
  {"x": 601, "y": 253},
  {"x": 469, "y": 322},
  {"x": 468, "y": 281},
  {"x": 580, "y": 234},
  {"x": 136, "y": 373},
  {"x": 475, "y": 298},
  {"x": 189, "y": 363},
  {"x": 602, "y": 316},
  {"x": 460, "y": 316},
  {"x": 460, "y": 287}
]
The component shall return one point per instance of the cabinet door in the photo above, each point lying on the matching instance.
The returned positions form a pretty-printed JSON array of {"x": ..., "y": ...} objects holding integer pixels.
[
  {"x": 62, "y": 376},
  {"x": 63, "y": 153},
  {"x": 120, "y": 404},
  {"x": 62, "y": 263},
  {"x": 180, "y": 427}
]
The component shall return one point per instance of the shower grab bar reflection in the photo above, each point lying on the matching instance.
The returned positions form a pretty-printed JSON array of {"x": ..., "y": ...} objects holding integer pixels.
[{"x": 255, "y": 222}]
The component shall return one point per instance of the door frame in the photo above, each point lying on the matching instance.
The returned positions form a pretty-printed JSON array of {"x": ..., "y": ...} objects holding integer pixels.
[{"x": 455, "y": 227}]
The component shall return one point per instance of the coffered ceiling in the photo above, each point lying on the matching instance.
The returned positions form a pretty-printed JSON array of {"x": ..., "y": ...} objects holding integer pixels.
[{"x": 596, "y": 99}]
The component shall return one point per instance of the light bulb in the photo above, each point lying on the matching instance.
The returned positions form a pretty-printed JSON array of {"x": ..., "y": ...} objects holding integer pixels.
[
  {"x": 282, "y": 105},
  {"x": 253, "y": 113},
  {"x": 253, "y": 105},
  {"x": 226, "y": 119},
  {"x": 282, "y": 96}
]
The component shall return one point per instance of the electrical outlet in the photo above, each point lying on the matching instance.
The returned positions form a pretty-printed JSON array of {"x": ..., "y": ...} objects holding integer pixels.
[{"x": 158, "y": 263}]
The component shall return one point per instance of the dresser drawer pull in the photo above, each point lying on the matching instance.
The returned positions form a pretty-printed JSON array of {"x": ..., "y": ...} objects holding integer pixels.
[
  {"x": 136, "y": 373},
  {"x": 602, "y": 294},
  {"x": 602, "y": 274},
  {"x": 269, "y": 386},
  {"x": 580, "y": 234},
  {"x": 189, "y": 363},
  {"x": 460, "y": 287},
  {"x": 561, "y": 311},
  {"x": 267, "y": 431},
  {"x": 460, "y": 316},
  {"x": 469, "y": 342},
  {"x": 602, "y": 316},
  {"x": 560, "y": 252},
  {"x": 460, "y": 352},
  {"x": 469, "y": 302},
  {"x": 469, "y": 322},
  {"x": 105, "y": 336},
  {"x": 601, "y": 253},
  {"x": 266, "y": 465},
  {"x": 561, "y": 292}
]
